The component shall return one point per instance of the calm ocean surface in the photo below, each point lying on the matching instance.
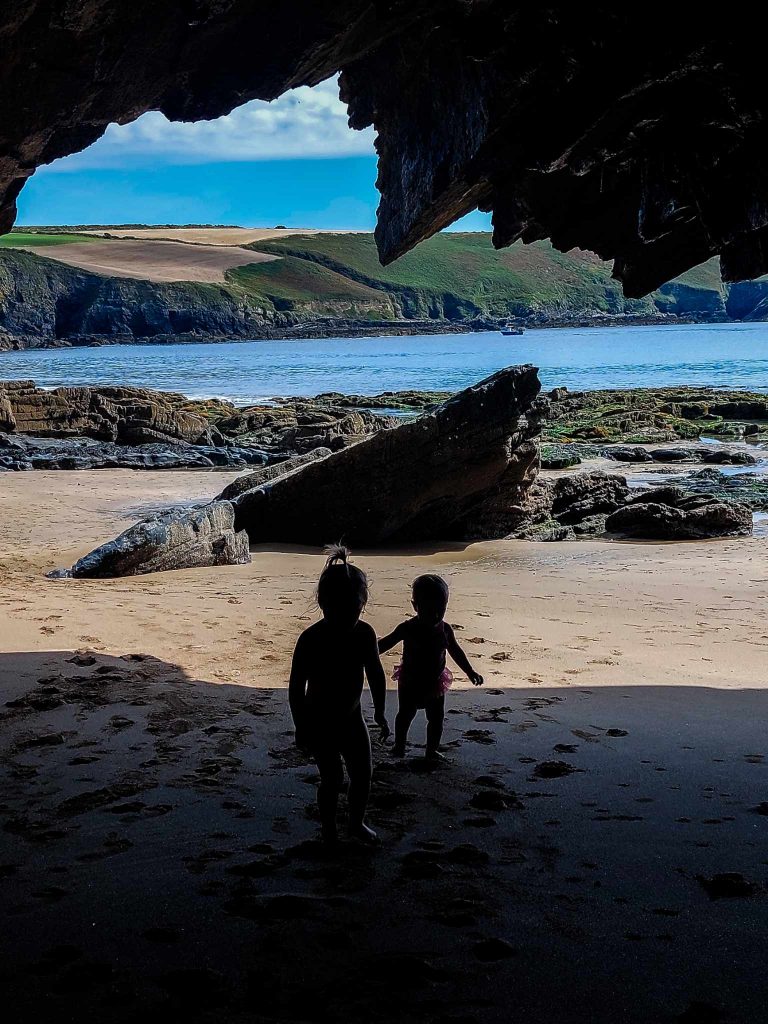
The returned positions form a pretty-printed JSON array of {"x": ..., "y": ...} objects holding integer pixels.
[{"x": 722, "y": 355}]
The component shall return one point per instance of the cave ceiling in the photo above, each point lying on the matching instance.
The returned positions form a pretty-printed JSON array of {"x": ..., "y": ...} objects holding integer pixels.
[{"x": 635, "y": 131}]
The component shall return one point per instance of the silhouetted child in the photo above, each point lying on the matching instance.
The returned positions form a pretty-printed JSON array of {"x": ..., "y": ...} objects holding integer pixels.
[
  {"x": 331, "y": 658},
  {"x": 422, "y": 677}
]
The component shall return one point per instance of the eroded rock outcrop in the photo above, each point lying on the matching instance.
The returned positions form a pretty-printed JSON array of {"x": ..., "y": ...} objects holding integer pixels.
[
  {"x": 301, "y": 426},
  {"x": 564, "y": 507},
  {"x": 594, "y": 503},
  {"x": 19, "y": 452},
  {"x": 124, "y": 415},
  {"x": 670, "y": 513},
  {"x": 637, "y": 133},
  {"x": 434, "y": 477},
  {"x": 175, "y": 540}
]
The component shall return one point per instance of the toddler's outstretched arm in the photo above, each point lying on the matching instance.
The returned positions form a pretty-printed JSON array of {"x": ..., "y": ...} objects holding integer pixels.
[
  {"x": 458, "y": 655},
  {"x": 386, "y": 643}
]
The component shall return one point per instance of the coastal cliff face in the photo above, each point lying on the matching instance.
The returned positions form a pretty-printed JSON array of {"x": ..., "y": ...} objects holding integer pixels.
[
  {"x": 334, "y": 285},
  {"x": 43, "y": 303}
]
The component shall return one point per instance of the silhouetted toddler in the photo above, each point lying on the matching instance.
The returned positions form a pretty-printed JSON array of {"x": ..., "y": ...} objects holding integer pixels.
[
  {"x": 331, "y": 658},
  {"x": 422, "y": 677}
]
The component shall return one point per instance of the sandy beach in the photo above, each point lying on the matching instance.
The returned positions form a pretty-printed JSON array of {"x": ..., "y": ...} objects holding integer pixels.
[{"x": 158, "y": 826}]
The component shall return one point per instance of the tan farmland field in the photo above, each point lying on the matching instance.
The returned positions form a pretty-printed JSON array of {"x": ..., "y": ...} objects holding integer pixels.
[
  {"x": 152, "y": 260},
  {"x": 208, "y": 236}
]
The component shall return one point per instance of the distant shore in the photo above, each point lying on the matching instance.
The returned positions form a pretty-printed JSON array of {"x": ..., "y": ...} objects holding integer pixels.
[{"x": 327, "y": 330}]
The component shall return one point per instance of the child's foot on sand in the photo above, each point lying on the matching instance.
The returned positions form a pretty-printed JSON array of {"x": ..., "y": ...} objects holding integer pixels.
[
  {"x": 435, "y": 756},
  {"x": 363, "y": 833}
]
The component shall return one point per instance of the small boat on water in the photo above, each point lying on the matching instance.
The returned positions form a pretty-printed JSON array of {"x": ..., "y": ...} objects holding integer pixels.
[{"x": 510, "y": 329}]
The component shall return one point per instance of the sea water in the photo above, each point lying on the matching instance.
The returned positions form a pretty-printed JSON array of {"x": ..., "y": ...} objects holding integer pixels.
[{"x": 720, "y": 355}]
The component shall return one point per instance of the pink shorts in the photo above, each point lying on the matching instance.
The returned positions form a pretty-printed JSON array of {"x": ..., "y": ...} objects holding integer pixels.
[{"x": 443, "y": 682}]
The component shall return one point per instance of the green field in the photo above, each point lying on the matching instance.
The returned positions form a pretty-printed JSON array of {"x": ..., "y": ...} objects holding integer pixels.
[
  {"x": 289, "y": 282},
  {"x": 18, "y": 238},
  {"x": 455, "y": 275}
]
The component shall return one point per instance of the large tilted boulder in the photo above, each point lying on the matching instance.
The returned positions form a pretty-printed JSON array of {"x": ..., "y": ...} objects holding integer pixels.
[
  {"x": 428, "y": 479},
  {"x": 176, "y": 540},
  {"x": 265, "y": 474},
  {"x": 669, "y": 513}
]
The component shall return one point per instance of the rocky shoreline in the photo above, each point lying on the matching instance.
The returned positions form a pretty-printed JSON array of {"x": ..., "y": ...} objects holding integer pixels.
[
  {"x": 282, "y": 328},
  {"x": 494, "y": 461},
  {"x": 136, "y": 428}
]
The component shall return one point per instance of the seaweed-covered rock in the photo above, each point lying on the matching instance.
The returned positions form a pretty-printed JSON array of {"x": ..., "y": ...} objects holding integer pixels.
[
  {"x": 653, "y": 415},
  {"x": 669, "y": 513},
  {"x": 561, "y": 508},
  {"x": 559, "y": 456},
  {"x": 175, "y": 540}
]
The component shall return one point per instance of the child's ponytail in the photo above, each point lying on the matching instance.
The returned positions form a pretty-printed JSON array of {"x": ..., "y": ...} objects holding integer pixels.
[
  {"x": 336, "y": 553},
  {"x": 342, "y": 586}
]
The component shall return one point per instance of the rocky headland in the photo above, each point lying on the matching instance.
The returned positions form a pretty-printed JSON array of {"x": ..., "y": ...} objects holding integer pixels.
[{"x": 329, "y": 285}]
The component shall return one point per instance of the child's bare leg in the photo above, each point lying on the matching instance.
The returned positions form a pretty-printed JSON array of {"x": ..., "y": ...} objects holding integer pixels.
[
  {"x": 435, "y": 711},
  {"x": 357, "y": 757},
  {"x": 331, "y": 782},
  {"x": 405, "y": 716}
]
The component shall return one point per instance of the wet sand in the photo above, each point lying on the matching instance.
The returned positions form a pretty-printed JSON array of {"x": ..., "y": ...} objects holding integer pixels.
[{"x": 157, "y": 824}]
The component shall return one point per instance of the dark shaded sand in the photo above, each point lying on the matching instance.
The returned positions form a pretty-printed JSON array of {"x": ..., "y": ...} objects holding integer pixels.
[{"x": 158, "y": 851}]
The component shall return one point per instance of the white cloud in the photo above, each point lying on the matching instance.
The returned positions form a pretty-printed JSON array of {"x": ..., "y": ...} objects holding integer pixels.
[{"x": 302, "y": 124}]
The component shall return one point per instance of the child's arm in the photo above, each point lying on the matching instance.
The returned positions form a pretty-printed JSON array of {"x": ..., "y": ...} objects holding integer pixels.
[
  {"x": 377, "y": 683},
  {"x": 391, "y": 639},
  {"x": 460, "y": 657},
  {"x": 297, "y": 688}
]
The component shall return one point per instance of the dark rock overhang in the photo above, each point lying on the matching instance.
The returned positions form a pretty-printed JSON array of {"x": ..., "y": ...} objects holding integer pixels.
[{"x": 636, "y": 131}]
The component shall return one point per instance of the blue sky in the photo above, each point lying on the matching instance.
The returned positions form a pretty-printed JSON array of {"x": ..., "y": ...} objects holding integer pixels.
[{"x": 293, "y": 162}]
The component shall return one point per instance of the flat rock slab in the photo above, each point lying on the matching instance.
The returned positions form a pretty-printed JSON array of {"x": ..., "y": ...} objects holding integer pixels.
[{"x": 176, "y": 540}]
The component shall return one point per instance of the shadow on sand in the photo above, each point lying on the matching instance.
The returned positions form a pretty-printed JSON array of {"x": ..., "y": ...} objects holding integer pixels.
[{"x": 586, "y": 855}]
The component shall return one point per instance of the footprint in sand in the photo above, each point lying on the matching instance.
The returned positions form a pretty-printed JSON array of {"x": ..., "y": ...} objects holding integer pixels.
[
  {"x": 728, "y": 885},
  {"x": 480, "y": 736},
  {"x": 554, "y": 769}
]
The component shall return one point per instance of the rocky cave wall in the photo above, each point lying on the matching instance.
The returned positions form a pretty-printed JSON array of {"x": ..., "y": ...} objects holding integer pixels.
[{"x": 636, "y": 131}]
